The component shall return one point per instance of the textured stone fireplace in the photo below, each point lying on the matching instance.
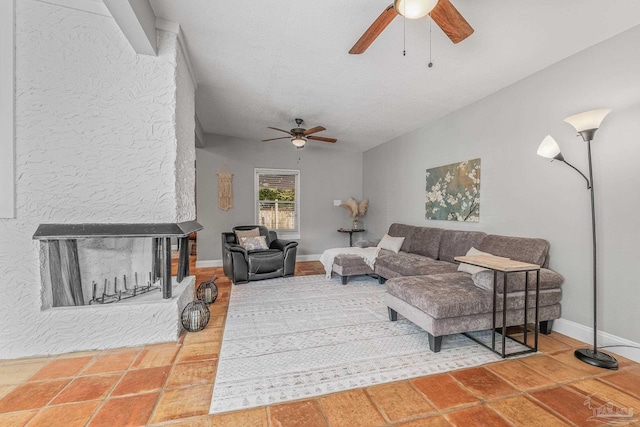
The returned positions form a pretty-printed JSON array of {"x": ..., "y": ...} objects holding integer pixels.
[{"x": 102, "y": 136}]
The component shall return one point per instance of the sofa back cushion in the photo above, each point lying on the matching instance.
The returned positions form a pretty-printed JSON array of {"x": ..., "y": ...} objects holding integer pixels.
[
  {"x": 426, "y": 241},
  {"x": 457, "y": 243},
  {"x": 402, "y": 230},
  {"x": 522, "y": 249}
]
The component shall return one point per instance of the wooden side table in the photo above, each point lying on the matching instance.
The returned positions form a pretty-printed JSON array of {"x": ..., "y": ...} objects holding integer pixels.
[
  {"x": 506, "y": 266},
  {"x": 350, "y": 231}
]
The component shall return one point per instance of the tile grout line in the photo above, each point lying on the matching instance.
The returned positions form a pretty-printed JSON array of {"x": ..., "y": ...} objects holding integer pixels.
[
  {"x": 103, "y": 401},
  {"x": 553, "y": 411},
  {"x": 46, "y": 405},
  {"x": 174, "y": 362}
]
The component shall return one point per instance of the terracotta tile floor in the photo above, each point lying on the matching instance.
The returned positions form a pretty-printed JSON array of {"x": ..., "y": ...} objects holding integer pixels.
[{"x": 171, "y": 384}]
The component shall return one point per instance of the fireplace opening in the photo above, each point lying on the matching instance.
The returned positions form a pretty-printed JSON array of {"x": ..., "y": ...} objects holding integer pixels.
[{"x": 92, "y": 264}]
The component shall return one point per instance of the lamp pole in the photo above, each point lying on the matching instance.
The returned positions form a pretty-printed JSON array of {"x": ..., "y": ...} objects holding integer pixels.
[
  {"x": 595, "y": 254},
  {"x": 593, "y": 356}
]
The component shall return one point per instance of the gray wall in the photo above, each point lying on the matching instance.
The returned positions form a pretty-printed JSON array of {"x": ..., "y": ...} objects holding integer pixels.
[
  {"x": 325, "y": 174},
  {"x": 525, "y": 195}
]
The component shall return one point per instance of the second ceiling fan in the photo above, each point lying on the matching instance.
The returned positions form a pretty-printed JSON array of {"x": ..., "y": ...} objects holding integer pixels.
[
  {"x": 300, "y": 135},
  {"x": 443, "y": 13}
]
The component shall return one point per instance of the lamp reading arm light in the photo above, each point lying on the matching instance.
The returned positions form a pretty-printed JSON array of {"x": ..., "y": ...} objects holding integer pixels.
[
  {"x": 549, "y": 148},
  {"x": 577, "y": 170}
]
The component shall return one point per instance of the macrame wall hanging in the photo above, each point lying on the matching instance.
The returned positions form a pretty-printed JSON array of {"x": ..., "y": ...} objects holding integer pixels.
[{"x": 225, "y": 188}]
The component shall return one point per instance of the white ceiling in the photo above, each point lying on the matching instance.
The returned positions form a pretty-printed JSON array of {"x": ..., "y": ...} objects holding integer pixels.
[{"x": 262, "y": 63}]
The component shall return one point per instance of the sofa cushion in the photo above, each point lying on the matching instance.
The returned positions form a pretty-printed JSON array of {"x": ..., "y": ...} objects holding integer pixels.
[
  {"x": 549, "y": 279},
  {"x": 391, "y": 243},
  {"x": 523, "y": 249},
  {"x": 454, "y": 295},
  {"x": 426, "y": 241},
  {"x": 402, "y": 230},
  {"x": 406, "y": 264},
  {"x": 472, "y": 269},
  {"x": 457, "y": 243},
  {"x": 441, "y": 295}
]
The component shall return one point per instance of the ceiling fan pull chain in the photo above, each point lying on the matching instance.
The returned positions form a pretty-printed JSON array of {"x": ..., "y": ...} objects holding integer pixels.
[
  {"x": 404, "y": 30},
  {"x": 430, "y": 22}
]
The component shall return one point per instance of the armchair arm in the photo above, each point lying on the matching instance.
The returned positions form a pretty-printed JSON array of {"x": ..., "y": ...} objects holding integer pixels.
[
  {"x": 233, "y": 247},
  {"x": 283, "y": 245}
]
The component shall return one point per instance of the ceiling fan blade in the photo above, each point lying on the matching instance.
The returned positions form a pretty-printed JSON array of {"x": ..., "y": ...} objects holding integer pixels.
[
  {"x": 451, "y": 21},
  {"x": 314, "y": 130},
  {"x": 322, "y": 138},
  {"x": 374, "y": 30},
  {"x": 281, "y": 130},
  {"x": 273, "y": 139}
]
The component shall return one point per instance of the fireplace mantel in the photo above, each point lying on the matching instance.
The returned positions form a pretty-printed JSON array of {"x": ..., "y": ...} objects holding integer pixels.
[{"x": 80, "y": 231}]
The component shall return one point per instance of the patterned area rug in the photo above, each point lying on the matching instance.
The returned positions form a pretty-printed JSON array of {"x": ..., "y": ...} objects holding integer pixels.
[{"x": 293, "y": 338}]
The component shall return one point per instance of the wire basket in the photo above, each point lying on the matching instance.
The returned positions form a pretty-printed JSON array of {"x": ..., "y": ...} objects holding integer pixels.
[
  {"x": 195, "y": 316},
  {"x": 207, "y": 291}
]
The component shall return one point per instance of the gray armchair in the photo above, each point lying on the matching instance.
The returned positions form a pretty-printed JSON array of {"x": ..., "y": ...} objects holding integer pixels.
[{"x": 242, "y": 266}]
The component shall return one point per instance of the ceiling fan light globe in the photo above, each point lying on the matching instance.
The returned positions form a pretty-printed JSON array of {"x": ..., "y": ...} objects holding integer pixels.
[
  {"x": 298, "y": 141},
  {"x": 414, "y": 9}
]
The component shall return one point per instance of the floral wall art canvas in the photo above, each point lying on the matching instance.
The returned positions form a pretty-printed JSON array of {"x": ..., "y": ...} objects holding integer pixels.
[{"x": 453, "y": 192}]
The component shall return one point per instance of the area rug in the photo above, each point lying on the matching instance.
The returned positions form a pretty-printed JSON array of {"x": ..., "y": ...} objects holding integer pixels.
[{"x": 298, "y": 337}]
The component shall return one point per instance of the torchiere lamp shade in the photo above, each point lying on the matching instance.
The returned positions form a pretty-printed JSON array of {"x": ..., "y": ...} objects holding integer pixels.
[{"x": 588, "y": 120}]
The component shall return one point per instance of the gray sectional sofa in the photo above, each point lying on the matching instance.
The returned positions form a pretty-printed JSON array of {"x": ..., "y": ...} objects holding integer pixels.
[{"x": 424, "y": 285}]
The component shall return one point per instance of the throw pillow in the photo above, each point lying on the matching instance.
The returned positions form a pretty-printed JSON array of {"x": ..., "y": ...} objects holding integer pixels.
[
  {"x": 549, "y": 279},
  {"x": 254, "y": 243},
  {"x": 471, "y": 269},
  {"x": 391, "y": 243},
  {"x": 253, "y": 232},
  {"x": 366, "y": 243}
]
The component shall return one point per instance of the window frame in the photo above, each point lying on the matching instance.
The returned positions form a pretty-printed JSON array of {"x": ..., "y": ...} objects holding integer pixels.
[{"x": 284, "y": 234}]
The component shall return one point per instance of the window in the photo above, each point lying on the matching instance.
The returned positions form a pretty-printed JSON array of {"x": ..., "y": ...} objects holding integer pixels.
[{"x": 277, "y": 197}]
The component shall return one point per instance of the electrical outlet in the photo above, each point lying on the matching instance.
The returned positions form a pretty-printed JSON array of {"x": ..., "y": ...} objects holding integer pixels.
[{"x": 337, "y": 202}]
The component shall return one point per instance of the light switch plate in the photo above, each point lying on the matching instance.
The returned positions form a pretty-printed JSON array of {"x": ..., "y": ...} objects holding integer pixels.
[{"x": 337, "y": 202}]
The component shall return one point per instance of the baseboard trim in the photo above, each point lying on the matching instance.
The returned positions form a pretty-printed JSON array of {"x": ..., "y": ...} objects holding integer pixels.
[
  {"x": 218, "y": 262},
  {"x": 585, "y": 333},
  {"x": 209, "y": 263},
  {"x": 312, "y": 257}
]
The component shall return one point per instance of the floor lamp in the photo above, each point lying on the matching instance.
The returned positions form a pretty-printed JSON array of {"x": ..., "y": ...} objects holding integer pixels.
[{"x": 586, "y": 124}]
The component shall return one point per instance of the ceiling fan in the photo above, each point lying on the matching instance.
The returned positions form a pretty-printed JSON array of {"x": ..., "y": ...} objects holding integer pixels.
[
  {"x": 300, "y": 135},
  {"x": 443, "y": 13}
]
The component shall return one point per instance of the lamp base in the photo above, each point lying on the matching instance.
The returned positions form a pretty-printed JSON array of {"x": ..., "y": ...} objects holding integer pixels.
[{"x": 599, "y": 359}]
